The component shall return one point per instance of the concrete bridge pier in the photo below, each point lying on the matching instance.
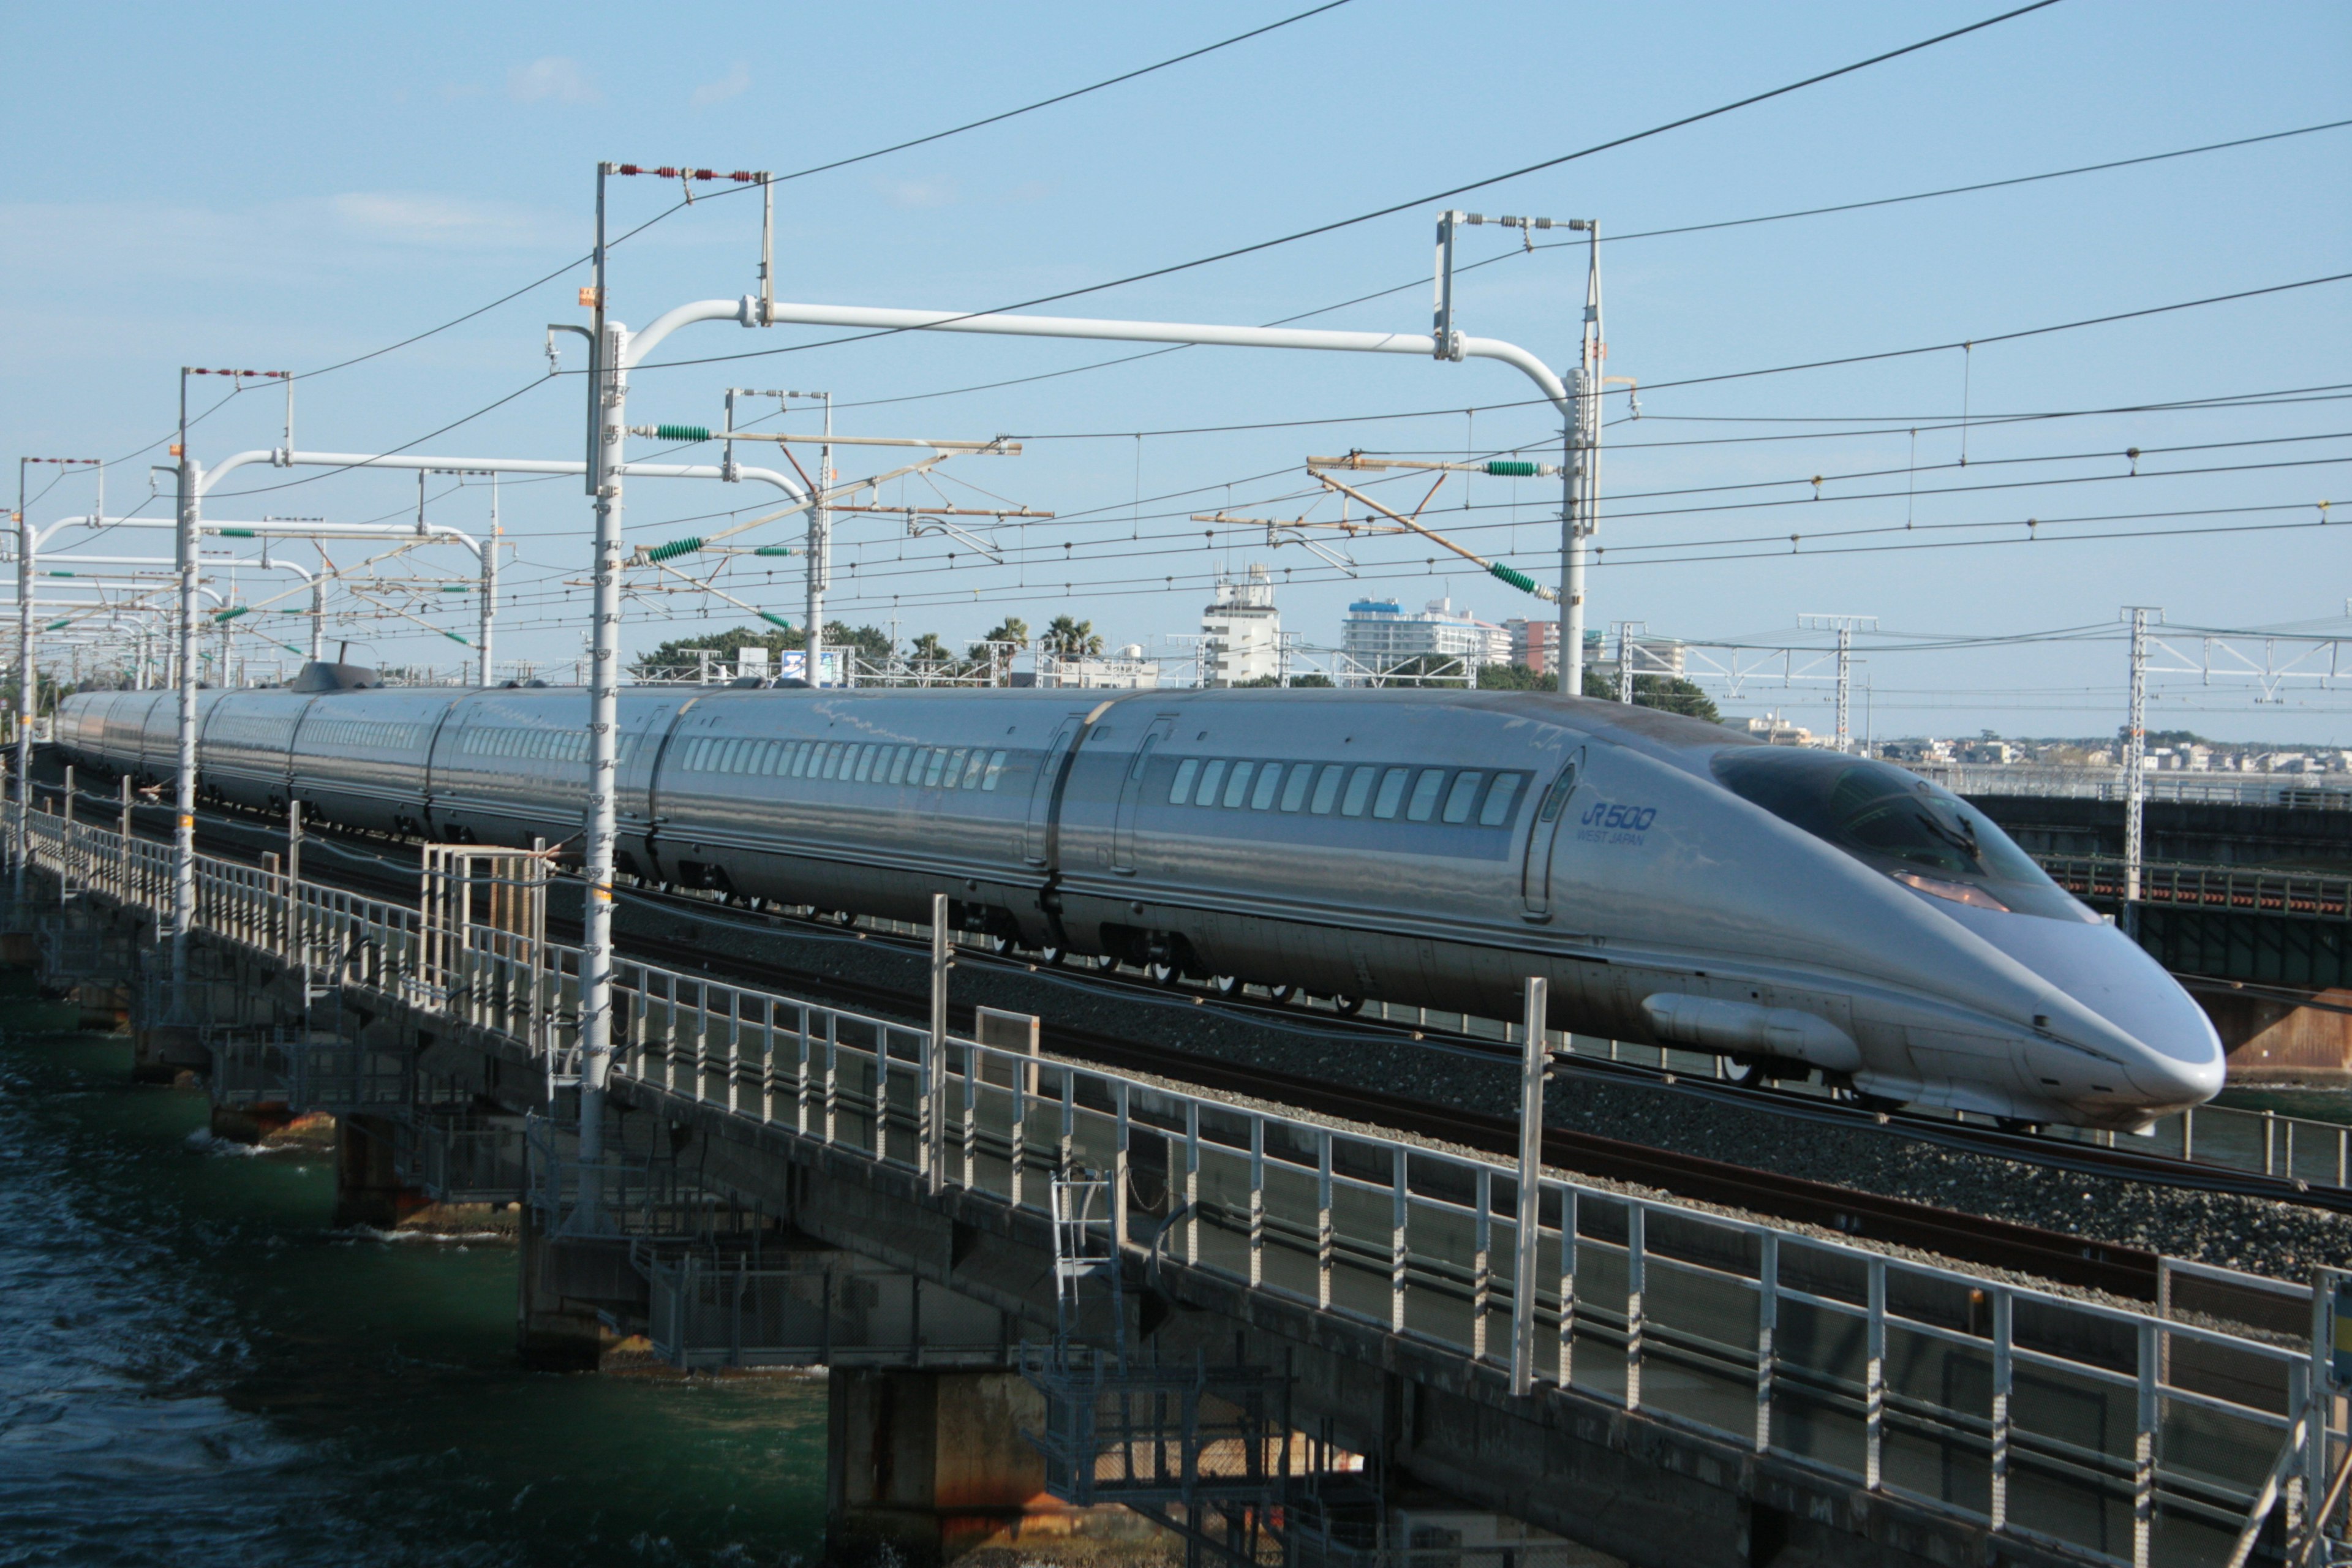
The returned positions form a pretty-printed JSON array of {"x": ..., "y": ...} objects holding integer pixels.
[
  {"x": 562, "y": 1284},
  {"x": 368, "y": 1187},
  {"x": 925, "y": 1466}
]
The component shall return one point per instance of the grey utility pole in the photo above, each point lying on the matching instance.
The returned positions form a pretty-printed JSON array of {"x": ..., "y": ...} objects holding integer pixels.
[
  {"x": 1580, "y": 517},
  {"x": 2135, "y": 755},
  {"x": 608, "y": 390},
  {"x": 1580, "y": 464},
  {"x": 820, "y": 551},
  {"x": 184, "y": 793},
  {"x": 1845, "y": 626}
]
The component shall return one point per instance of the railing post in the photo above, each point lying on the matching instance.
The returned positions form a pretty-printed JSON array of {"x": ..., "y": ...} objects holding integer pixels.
[
  {"x": 1482, "y": 1264},
  {"x": 1324, "y": 1237},
  {"x": 2148, "y": 1416},
  {"x": 1256, "y": 1201},
  {"x": 1636, "y": 1272},
  {"x": 934, "y": 1116},
  {"x": 1875, "y": 1379},
  {"x": 2004, "y": 1370},
  {"x": 1118, "y": 1176},
  {"x": 1567, "y": 1207},
  {"x": 1399, "y": 1210},
  {"x": 1533, "y": 1059},
  {"x": 1191, "y": 1181},
  {"x": 1767, "y": 1322},
  {"x": 1024, "y": 1088}
]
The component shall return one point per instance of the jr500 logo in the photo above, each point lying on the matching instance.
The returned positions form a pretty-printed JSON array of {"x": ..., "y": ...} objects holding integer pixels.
[{"x": 1605, "y": 813}]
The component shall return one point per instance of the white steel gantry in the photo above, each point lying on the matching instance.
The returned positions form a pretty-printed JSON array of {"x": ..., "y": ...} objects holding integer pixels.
[{"x": 619, "y": 350}]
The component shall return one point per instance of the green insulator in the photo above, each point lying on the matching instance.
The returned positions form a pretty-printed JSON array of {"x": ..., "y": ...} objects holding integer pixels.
[
  {"x": 1517, "y": 579},
  {"x": 56, "y": 626},
  {"x": 60, "y": 573},
  {"x": 455, "y": 588},
  {"x": 775, "y": 550},
  {"x": 1511, "y": 469},
  {"x": 775, "y": 620},
  {"x": 453, "y": 637},
  {"x": 682, "y": 432},
  {"x": 230, "y": 615},
  {"x": 237, "y": 533},
  {"x": 675, "y": 547}
]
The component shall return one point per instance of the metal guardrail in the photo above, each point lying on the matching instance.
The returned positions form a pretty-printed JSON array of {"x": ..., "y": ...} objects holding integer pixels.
[
  {"x": 2108, "y": 1430},
  {"x": 2304, "y": 792},
  {"x": 2192, "y": 885}
]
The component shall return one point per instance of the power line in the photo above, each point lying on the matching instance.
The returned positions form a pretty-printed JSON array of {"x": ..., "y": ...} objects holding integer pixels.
[
  {"x": 1639, "y": 233},
  {"x": 1336, "y": 224},
  {"x": 1059, "y": 98}
]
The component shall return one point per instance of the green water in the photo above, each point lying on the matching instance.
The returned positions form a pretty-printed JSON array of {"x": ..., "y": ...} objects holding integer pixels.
[{"x": 195, "y": 1369}]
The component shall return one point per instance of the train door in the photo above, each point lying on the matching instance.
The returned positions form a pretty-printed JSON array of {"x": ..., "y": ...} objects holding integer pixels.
[
  {"x": 1534, "y": 875},
  {"x": 1041, "y": 792},
  {"x": 1131, "y": 795}
]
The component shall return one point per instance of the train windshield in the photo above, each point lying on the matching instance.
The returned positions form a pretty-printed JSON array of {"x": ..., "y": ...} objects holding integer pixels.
[{"x": 1920, "y": 833}]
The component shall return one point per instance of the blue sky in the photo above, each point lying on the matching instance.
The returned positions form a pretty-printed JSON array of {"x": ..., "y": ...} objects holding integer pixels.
[{"x": 283, "y": 187}]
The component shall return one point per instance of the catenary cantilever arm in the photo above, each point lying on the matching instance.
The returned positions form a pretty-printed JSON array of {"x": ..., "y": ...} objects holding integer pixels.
[{"x": 749, "y": 312}]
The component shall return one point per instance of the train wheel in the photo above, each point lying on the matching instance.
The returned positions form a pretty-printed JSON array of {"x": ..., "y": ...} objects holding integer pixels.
[
  {"x": 845, "y": 918},
  {"x": 1000, "y": 945},
  {"x": 1162, "y": 975},
  {"x": 1106, "y": 961},
  {"x": 1051, "y": 957},
  {"x": 1745, "y": 1072},
  {"x": 1225, "y": 985},
  {"x": 2016, "y": 1124},
  {"x": 1281, "y": 993},
  {"x": 1347, "y": 1005}
]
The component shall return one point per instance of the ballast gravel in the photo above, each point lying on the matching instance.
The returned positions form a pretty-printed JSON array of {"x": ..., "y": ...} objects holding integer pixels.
[{"x": 2233, "y": 1231}]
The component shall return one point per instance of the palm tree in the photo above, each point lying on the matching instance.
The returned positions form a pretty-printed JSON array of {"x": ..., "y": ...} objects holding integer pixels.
[{"x": 1072, "y": 638}]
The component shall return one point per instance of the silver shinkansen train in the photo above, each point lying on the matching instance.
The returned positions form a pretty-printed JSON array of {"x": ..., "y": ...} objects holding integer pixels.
[{"x": 1792, "y": 908}]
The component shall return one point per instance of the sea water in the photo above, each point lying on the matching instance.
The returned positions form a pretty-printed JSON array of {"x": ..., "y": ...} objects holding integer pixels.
[{"x": 196, "y": 1368}]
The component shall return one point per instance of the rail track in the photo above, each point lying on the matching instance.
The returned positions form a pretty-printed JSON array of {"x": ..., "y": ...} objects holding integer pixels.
[{"x": 371, "y": 864}]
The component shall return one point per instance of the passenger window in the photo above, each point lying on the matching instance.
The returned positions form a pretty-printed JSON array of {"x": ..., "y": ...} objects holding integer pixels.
[
  {"x": 832, "y": 763},
  {"x": 866, "y": 762},
  {"x": 1499, "y": 799},
  {"x": 1238, "y": 787},
  {"x": 971, "y": 770},
  {"x": 1462, "y": 797},
  {"x": 995, "y": 771},
  {"x": 1326, "y": 789},
  {"x": 1294, "y": 795},
  {"x": 933, "y": 765},
  {"x": 800, "y": 759},
  {"x": 1180, "y": 792},
  {"x": 1269, "y": 779},
  {"x": 727, "y": 755},
  {"x": 1424, "y": 794},
  {"x": 1211, "y": 777},
  {"x": 898, "y": 755},
  {"x": 1359, "y": 790},
  {"x": 954, "y": 769},
  {"x": 1391, "y": 793}
]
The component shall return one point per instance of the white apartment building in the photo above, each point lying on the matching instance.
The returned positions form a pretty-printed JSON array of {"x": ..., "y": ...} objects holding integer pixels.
[
  {"x": 1241, "y": 631},
  {"x": 1380, "y": 634}
]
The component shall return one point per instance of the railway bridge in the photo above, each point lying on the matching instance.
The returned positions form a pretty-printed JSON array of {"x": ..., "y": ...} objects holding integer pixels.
[{"x": 1057, "y": 1296}]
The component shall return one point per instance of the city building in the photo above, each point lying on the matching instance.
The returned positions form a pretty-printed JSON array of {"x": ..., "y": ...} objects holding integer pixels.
[
  {"x": 1535, "y": 645},
  {"x": 1380, "y": 634},
  {"x": 1775, "y": 730},
  {"x": 1652, "y": 655},
  {"x": 1241, "y": 631}
]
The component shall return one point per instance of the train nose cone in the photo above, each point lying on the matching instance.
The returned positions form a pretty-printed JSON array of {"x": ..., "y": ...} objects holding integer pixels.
[{"x": 2178, "y": 1059}]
